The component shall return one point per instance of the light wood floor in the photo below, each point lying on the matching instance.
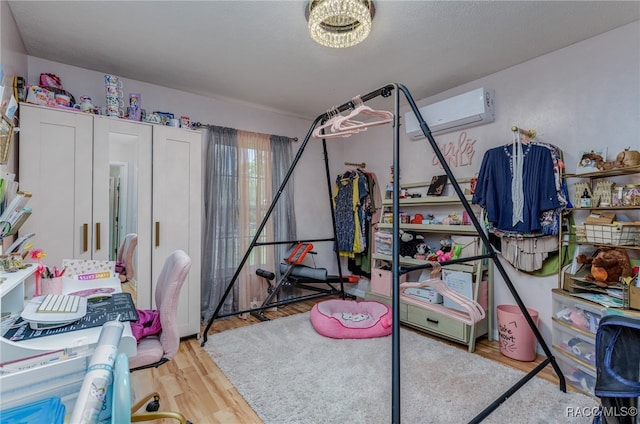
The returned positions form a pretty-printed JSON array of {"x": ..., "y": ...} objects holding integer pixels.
[{"x": 192, "y": 384}]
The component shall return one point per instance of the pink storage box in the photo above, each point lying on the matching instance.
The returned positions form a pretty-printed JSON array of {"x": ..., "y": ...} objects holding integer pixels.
[{"x": 381, "y": 281}]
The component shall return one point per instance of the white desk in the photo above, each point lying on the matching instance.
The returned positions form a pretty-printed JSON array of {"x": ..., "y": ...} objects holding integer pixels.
[
  {"x": 60, "y": 378},
  {"x": 12, "y": 297}
]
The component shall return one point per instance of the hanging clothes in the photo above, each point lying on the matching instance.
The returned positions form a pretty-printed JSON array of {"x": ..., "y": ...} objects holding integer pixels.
[
  {"x": 349, "y": 193},
  {"x": 537, "y": 181},
  {"x": 551, "y": 220},
  {"x": 524, "y": 214},
  {"x": 360, "y": 264}
]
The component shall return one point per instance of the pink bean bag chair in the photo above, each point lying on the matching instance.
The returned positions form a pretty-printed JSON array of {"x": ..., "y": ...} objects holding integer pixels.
[{"x": 348, "y": 319}]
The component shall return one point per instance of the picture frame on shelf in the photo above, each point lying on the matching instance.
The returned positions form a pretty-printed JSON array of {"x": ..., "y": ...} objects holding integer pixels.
[
  {"x": 589, "y": 159},
  {"x": 437, "y": 186}
]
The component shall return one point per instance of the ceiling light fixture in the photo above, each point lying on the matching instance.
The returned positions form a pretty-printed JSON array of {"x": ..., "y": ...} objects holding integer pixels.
[{"x": 339, "y": 23}]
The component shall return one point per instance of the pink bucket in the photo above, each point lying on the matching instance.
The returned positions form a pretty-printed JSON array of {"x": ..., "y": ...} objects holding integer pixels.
[{"x": 517, "y": 340}]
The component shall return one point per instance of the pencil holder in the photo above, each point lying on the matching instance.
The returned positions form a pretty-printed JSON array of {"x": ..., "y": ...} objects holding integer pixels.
[{"x": 50, "y": 286}]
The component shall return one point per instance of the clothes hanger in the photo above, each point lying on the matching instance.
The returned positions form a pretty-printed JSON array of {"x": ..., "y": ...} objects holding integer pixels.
[
  {"x": 347, "y": 124},
  {"x": 333, "y": 116},
  {"x": 361, "y": 109},
  {"x": 474, "y": 312}
]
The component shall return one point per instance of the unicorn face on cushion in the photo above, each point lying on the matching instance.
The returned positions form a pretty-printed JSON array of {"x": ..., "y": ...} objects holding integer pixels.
[{"x": 348, "y": 316}]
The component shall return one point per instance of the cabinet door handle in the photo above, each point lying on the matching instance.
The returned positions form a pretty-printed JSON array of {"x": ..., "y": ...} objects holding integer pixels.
[
  {"x": 433, "y": 321},
  {"x": 97, "y": 236},
  {"x": 157, "y": 233},
  {"x": 85, "y": 237}
]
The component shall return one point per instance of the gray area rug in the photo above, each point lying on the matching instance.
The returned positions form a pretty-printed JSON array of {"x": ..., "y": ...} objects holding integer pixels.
[{"x": 289, "y": 374}]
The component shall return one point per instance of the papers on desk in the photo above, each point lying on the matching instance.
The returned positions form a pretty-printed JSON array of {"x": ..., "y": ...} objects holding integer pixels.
[
  {"x": 85, "y": 269},
  {"x": 602, "y": 299}
]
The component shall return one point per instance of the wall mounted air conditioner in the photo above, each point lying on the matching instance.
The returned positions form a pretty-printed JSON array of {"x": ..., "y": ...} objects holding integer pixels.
[{"x": 463, "y": 111}]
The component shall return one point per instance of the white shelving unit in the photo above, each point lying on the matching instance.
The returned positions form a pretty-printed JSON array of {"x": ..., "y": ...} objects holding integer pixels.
[
  {"x": 430, "y": 318},
  {"x": 574, "y": 335}
]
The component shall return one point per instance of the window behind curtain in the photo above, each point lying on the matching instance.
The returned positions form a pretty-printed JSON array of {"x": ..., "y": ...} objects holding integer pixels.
[
  {"x": 254, "y": 197},
  {"x": 242, "y": 172}
]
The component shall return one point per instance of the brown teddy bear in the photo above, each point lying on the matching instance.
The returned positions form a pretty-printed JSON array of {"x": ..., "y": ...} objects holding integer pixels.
[{"x": 607, "y": 266}]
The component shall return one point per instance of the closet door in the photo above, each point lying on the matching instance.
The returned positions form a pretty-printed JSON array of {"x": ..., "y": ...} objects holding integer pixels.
[
  {"x": 122, "y": 189},
  {"x": 55, "y": 165},
  {"x": 177, "y": 213}
]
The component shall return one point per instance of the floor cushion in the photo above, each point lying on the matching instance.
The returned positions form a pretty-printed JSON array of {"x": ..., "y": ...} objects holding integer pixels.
[{"x": 348, "y": 319}]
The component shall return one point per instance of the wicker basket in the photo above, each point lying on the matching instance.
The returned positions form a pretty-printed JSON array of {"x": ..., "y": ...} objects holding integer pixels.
[
  {"x": 615, "y": 234},
  {"x": 581, "y": 233}
]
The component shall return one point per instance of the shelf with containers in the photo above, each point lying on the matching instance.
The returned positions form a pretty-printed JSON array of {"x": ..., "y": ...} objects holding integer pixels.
[
  {"x": 575, "y": 322},
  {"x": 612, "y": 220},
  {"x": 434, "y": 318},
  {"x": 608, "y": 219}
]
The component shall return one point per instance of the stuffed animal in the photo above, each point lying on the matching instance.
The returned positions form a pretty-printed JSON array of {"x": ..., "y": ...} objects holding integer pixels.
[
  {"x": 409, "y": 243},
  {"x": 446, "y": 245},
  {"x": 421, "y": 251},
  {"x": 607, "y": 266},
  {"x": 594, "y": 160}
]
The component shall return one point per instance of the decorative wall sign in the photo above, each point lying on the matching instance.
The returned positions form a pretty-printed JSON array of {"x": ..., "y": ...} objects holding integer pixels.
[{"x": 457, "y": 153}]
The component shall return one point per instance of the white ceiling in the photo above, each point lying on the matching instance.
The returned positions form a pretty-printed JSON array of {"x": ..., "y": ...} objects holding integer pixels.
[{"x": 260, "y": 52}]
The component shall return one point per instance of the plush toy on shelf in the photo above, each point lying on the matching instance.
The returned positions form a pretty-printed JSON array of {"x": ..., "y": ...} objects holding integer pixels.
[
  {"x": 421, "y": 252},
  {"x": 452, "y": 219},
  {"x": 607, "y": 266},
  {"x": 409, "y": 242}
]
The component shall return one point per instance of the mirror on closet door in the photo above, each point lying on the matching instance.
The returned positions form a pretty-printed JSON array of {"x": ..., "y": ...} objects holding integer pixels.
[{"x": 123, "y": 204}]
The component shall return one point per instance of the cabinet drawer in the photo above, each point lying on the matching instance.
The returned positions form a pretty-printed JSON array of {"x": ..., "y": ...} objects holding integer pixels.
[
  {"x": 576, "y": 343},
  {"x": 435, "y": 321},
  {"x": 579, "y": 376},
  {"x": 579, "y": 314}
]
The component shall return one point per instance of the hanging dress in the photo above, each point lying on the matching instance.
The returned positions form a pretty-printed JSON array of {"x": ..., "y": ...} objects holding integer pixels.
[{"x": 494, "y": 194}]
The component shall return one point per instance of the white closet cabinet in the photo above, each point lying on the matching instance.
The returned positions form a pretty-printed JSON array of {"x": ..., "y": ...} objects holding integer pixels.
[
  {"x": 129, "y": 156},
  {"x": 70, "y": 210},
  {"x": 177, "y": 203}
]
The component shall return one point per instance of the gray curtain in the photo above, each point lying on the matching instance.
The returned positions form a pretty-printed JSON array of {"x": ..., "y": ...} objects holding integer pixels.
[
  {"x": 220, "y": 245},
  {"x": 284, "y": 217},
  {"x": 220, "y": 253}
]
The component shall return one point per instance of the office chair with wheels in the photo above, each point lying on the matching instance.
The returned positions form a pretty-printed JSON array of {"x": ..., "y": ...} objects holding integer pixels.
[
  {"x": 124, "y": 260},
  {"x": 155, "y": 350},
  {"x": 122, "y": 412}
]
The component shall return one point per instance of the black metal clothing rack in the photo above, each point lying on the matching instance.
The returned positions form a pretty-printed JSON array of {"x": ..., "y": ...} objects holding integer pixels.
[{"x": 397, "y": 270}]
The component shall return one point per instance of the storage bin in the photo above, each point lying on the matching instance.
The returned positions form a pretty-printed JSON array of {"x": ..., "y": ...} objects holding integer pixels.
[
  {"x": 579, "y": 376},
  {"x": 381, "y": 281},
  {"x": 384, "y": 242},
  {"x": 574, "y": 343},
  {"x": 616, "y": 234},
  {"x": 581, "y": 315}
]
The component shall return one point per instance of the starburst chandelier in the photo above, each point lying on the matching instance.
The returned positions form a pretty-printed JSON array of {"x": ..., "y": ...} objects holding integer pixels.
[{"x": 339, "y": 23}]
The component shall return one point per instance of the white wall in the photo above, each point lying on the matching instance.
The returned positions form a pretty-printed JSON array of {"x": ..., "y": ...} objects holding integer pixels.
[
  {"x": 581, "y": 97},
  {"x": 14, "y": 62}
]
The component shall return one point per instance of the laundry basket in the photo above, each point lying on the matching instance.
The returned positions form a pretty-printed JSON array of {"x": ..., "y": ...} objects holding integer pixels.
[{"x": 517, "y": 340}]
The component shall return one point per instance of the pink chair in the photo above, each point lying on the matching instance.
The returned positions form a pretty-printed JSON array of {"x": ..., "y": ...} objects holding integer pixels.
[
  {"x": 125, "y": 257},
  {"x": 155, "y": 350}
]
